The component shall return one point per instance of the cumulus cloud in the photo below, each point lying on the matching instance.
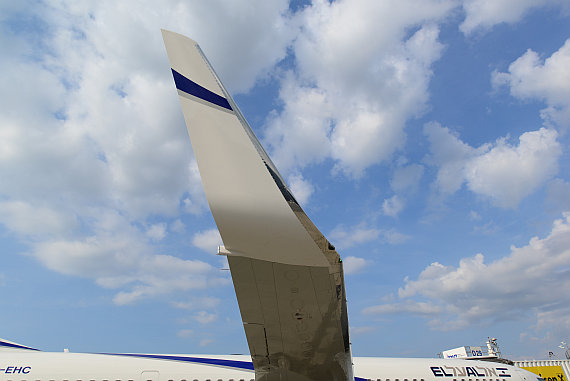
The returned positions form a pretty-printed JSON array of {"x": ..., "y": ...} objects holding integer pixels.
[
  {"x": 301, "y": 188},
  {"x": 548, "y": 80},
  {"x": 255, "y": 36},
  {"x": 197, "y": 303},
  {"x": 185, "y": 333},
  {"x": 178, "y": 226},
  {"x": 509, "y": 173},
  {"x": 395, "y": 238},
  {"x": 164, "y": 274},
  {"x": 350, "y": 96},
  {"x": 206, "y": 342},
  {"x": 35, "y": 221},
  {"x": 93, "y": 160},
  {"x": 208, "y": 240},
  {"x": 345, "y": 237},
  {"x": 393, "y": 205},
  {"x": 204, "y": 317},
  {"x": 474, "y": 216},
  {"x": 532, "y": 279},
  {"x": 404, "y": 182},
  {"x": 406, "y": 307},
  {"x": 156, "y": 232},
  {"x": 118, "y": 256},
  {"x": 450, "y": 154},
  {"x": 483, "y": 14},
  {"x": 500, "y": 171},
  {"x": 353, "y": 265}
]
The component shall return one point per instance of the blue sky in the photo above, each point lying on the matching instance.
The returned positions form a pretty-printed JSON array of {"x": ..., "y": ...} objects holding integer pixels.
[{"x": 428, "y": 140}]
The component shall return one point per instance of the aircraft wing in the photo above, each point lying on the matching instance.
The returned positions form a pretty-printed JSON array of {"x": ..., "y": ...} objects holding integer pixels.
[
  {"x": 6, "y": 345},
  {"x": 287, "y": 277}
]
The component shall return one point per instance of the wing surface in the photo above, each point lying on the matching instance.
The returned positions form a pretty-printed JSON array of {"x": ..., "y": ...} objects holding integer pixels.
[
  {"x": 288, "y": 278},
  {"x": 6, "y": 345}
]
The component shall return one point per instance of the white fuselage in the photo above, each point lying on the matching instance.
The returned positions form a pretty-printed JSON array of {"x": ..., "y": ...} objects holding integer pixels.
[{"x": 27, "y": 365}]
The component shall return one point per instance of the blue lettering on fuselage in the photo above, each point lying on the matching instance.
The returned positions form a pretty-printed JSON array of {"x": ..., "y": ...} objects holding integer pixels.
[
  {"x": 436, "y": 370},
  {"x": 503, "y": 372},
  {"x": 16, "y": 370},
  {"x": 467, "y": 371}
]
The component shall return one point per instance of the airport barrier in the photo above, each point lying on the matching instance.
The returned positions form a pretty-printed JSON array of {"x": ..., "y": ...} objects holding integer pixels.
[{"x": 550, "y": 370}]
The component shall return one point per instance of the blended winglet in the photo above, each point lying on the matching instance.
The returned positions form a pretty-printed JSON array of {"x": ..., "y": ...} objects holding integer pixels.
[
  {"x": 244, "y": 189},
  {"x": 288, "y": 278}
]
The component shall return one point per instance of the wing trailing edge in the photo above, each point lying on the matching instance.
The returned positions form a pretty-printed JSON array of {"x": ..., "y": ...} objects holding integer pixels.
[{"x": 6, "y": 345}]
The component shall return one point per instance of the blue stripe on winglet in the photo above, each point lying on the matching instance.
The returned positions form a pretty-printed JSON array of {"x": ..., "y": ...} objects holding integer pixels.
[{"x": 192, "y": 88}]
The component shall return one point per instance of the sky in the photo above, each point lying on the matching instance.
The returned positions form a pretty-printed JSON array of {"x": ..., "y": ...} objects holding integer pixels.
[{"x": 427, "y": 139}]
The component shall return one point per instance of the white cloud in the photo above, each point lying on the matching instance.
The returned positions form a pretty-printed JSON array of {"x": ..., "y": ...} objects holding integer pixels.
[
  {"x": 404, "y": 182},
  {"x": 35, "y": 220},
  {"x": 530, "y": 77},
  {"x": 395, "y": 238},
  {"x": 156, "y": 232},
  {"x": 164, "y": 274},
  {"x": 105, "y": 150},
  {"x": 301, "y": 188},
  {"x": 254, "y": 37},
  {"x": 351, "y": 95},
  {"x": 206, "y": 342},
  {"x": 345, "y": 238},
  {"x": 208, "y": 240},
  {"x": 204, "y": 317},
  {"x": 474, "y": 216},
  {"x": 489, "y": 228},
  {"x": 483, "y": 14},
  {"x": 393, "y": 205},
  {"x": 197, "y": 303},
  {"x": 406, "y": 307},
  {"x": 530, "y": 279},
  {"x": 299, "y": 134},
  {"x": 450, "y": 154},
  {"x": 504, "y": 173},
  {"x": 178, "y": 226},
  {"x": 185, "y": 333},
  {"x": 507, "y": 174},
  {"x": 119, "y": 257},
  {"x": 353, "y": 265}
]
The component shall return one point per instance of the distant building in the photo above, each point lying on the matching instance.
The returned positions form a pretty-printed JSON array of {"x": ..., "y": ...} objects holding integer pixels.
[
  {"x": 490, "y": 353},
  {"x": 549, "y": 370}
]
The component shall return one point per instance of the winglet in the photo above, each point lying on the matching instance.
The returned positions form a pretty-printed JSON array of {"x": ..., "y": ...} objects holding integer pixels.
[{"x": 288, "y": 278}]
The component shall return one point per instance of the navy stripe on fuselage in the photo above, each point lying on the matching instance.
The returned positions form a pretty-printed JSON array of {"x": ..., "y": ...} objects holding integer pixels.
[
  {"x": 197, "y": 360},
  {"x": 190, "y": 87},
  {"x": 245, "y": 365}
]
